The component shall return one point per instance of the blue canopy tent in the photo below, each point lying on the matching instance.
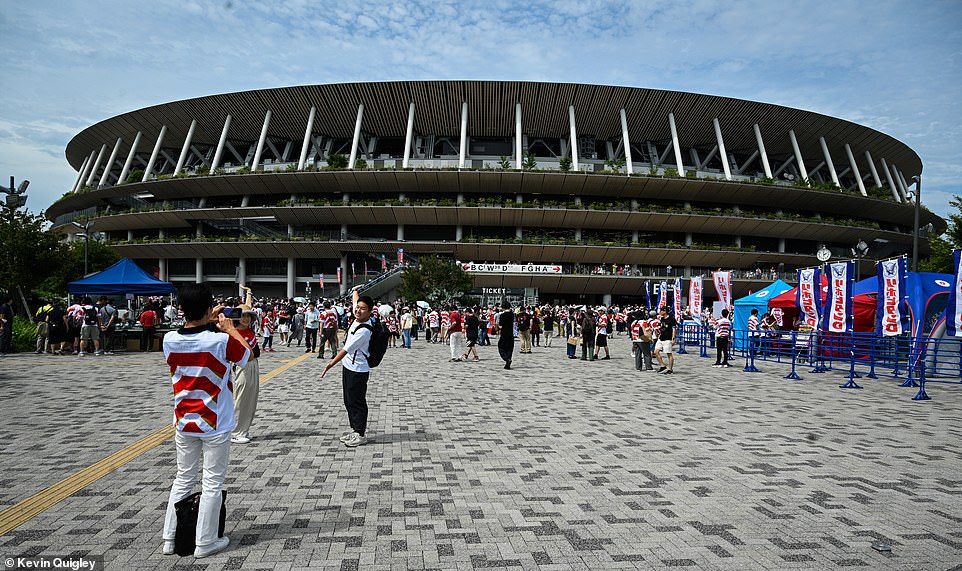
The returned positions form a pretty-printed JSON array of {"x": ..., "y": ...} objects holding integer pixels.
[
  {"x": 120, "y": 279},
  {"x": 745, "y": 305}
]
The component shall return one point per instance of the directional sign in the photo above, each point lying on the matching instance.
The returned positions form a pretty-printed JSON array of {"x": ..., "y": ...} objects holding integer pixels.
[{"x": 511, "y": 268}]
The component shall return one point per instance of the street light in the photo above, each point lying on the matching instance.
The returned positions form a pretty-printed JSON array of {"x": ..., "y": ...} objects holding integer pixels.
[
  {"x": 859, "y": 251},
  {"x": 915, "y": 228},
  {"x": 86, "y": 229}
]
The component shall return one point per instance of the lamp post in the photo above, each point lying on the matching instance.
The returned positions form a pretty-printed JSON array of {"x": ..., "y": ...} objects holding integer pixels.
[
  {"x": 915, "y": 227},
  {"x": 86, "y": 229},
  {"x": 859, "y": 251}
]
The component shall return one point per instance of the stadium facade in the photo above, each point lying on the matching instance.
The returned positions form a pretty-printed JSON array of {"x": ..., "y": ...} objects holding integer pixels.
[{"x": 577, "y": 192}]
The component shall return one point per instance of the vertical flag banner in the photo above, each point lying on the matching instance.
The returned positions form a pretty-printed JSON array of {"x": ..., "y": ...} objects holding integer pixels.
[
  {"x": 676, "y": 297},
  {"x": 838, "y": 303},
  {"x": 400, "y": 256},
  {"x": 808, "y": 296},
  {"x": 648, "y": 294},
  {"x": 953, "y": 322},
  {"x": 320, "y": 278},
  {"x": 662, "y": 299},
  {"x": 383, "y": 263},
  {"x": 723, "y": 287},
  {"x": 891, "y": 314},
  {"x": 353, "y": 273},
  {"x": 338, "y": 275},
  {"x": 365, "y": 269},
  {"x": 694, "y": 296}
]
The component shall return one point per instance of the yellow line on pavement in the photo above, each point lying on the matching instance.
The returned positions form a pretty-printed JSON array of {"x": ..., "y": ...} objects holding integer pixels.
[{"x": 25, "y": 510}]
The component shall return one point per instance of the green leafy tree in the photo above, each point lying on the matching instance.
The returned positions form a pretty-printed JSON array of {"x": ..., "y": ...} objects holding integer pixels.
[
  {"x": 336, "y": 161},
  {"x": 616, "y": 164},
  {"x": 955, "y": 222},
  {"x": 436, "y": 281},
  {"x": 504, "y": 163},
  {"x": 940, "y": 258},
  {"x": 565, "y": 164},
  {"x": 360, "y": 164},
  {"x": 71, "y": 265},
  {"x": 28, "y": 252}
]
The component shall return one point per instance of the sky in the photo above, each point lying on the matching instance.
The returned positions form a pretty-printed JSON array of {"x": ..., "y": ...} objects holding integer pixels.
[{"x": 895, "y": 66}]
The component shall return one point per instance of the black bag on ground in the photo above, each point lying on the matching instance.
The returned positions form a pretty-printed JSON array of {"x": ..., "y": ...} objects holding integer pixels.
[
  {"x": 186, "y": 533},
  {"x": 378, "y": 345}
]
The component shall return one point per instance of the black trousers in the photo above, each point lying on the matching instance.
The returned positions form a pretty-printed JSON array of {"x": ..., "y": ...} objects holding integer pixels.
[
  {"x": 506, "y": 346},
  {"x": 310, "y": 338},
  {"x": 721, "y": 350},
  {"x": 355, "y": 398}
]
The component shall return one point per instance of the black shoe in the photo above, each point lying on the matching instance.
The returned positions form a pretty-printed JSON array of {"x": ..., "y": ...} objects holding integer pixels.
[
  {"x": 606, "y": 357},
  {"x": 669, "y": 372},
  {"x": 320, "y": 355},
  {"x": 662, "y": 369}
]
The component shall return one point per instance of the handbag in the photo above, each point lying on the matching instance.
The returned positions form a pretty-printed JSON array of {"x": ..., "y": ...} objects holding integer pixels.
[
  {"x": 573, "y": 340},
  {"x": 186, "y": 533}
]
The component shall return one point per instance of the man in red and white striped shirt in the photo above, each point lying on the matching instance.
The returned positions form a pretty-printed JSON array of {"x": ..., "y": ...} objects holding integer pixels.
[
  {"x": 329, "y": 320},
  {"x": 754, "y": 339},
  {"x": 723, "y": 331},
  {"x": 199, "y": 357}
]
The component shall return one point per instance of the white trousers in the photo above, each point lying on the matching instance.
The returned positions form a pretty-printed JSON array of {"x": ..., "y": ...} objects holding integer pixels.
[
  {"x": 191, "y": 450},
  {"x": 457, "y": 344}
]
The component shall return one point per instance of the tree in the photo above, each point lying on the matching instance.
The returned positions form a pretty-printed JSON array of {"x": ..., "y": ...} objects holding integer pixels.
[
  {"x": 336, "y": 161},
  {"x": 616, "y": 164},
  {"x": 565, "y": 164},
  {"x": 504, "y": 163},
  {"x": 436, "y": 281},
  {"x": 529, "y": 162},
  {"x": 28, "y": 252},
  {"x": 71, "y": 265},
  {"x": 955, "y": 223},
  {"x": 940, "y": 258}
]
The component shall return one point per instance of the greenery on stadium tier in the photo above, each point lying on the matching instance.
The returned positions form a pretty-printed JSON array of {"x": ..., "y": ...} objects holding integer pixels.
[{"x": 436, "y": 281}]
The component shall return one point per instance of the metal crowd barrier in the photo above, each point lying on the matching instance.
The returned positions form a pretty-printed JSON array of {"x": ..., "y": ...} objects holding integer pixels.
[{"x": 916, "y": 361}]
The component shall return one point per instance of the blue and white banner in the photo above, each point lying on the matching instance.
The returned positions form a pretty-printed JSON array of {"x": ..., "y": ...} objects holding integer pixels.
[
  {"x": 648, "y": 294},
  {"x": 891, "y": 314},
  {"x": 676, "y": 297},
  {"x": 808, "y": 296},
  {"x": 838, "y": 302},
  {"x": 953, "y": 322},
  {"x": 662, "y": 297}
]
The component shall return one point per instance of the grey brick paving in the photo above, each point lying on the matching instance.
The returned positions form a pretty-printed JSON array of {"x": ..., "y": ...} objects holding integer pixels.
[{"x": 556, "y": 464}]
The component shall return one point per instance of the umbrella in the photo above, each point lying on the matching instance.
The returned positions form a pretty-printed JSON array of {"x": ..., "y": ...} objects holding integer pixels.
[
  {"x": 385, "y": 309},
  {"x": 424, "y": 305},
  {"x": 300, "y": 300}
]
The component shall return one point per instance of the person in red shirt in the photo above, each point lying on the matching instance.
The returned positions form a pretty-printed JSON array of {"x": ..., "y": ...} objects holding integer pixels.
[
  {"x": 455, "y": 334},
  {"x": 148, "y": 320}
]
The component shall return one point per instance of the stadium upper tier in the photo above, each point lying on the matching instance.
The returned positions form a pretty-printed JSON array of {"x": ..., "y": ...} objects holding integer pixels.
[{"x": 318, "y": 177}]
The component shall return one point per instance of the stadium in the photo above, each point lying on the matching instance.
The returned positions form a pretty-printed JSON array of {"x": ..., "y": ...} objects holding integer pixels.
[{"x": 552, "y": 191}]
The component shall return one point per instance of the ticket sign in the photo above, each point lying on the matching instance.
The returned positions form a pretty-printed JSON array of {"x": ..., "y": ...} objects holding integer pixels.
[{"x": 511, "y": 268}]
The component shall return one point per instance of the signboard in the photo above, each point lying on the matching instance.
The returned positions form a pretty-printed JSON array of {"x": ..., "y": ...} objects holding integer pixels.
[
  {"x": 495, "y": 296},
  {"x": 511, "y": 268}
]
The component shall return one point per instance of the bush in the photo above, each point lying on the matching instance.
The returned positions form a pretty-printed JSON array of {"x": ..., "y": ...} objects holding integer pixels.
[
  {"x": 24, "y": 335},
  {"x": 337, "y": 161},
  {"x": 135, "y": 176},
  {"x": 671, "y": 172}
]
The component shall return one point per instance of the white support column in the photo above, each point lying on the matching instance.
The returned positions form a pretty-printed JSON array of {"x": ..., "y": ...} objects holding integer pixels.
[
  {"x": 290, "y": 277},
  {"x": 828, "y": 161},
  {"x": 307, "y": 138},
  {"x": 130, "y": 159},
  {"x": 154, "y": 153},
  {"x": 357, "y": 138},
  {"x": 574, "y": 138},
  {"x": 110, "y": 162},
  {"x": 858, "y": 175},
  {"x": 891, "y": 181},
  {"x": 88, "y": 168},
  {"x": 80, "y": 175},
  {"x": 904, "y": 186},
  {"x": 220, "y": 145},
  {"x": 874, "y": 171},
  {"x": 676, "y": 144},
  {"x": 761, "y": 149},
  {"x": 93, "y": 171},
  {"x": 199, "y": 270},
  {"x": 464, "y": 134},
  {"x": 458, "y": 233},
  {"x": 162, "y": 269},
  {"x": 721, "y": 150},
  {"x": 185, "y": 150},
  {"x": 900, "y": 183},
  {"x": 241, "y": 276},
  {"x": 408, "y": 137},
  {"x": 260, "y": 141},
  {"x": 343, "y": 274},
  {"x": 798, "y": 155},
  {"x": 400, "y": 232},
  {"x": 517, "y": 135},
  {"x": 626, "y": 143}
]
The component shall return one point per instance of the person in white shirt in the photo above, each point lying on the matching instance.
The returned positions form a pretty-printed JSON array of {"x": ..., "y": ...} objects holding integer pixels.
[{"x": 355, "y": 370}]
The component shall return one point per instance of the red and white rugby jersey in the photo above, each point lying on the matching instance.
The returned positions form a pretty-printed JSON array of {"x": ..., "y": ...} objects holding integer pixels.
[
  {"x": 649, "y": 325},
  {"x": 433, "y": 319},
  {"x": 330, "y": 319},
  {"x": 199, "y": 361},
  {"x": 753, "y": 323},
  {"x": 636, "y": 330},
  {"x": 723, "y": 327},
  {"x": 445, "y": 319}
]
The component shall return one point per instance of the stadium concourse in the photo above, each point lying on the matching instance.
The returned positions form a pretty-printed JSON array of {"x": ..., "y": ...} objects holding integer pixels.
[{"x": 555, "y": 464}]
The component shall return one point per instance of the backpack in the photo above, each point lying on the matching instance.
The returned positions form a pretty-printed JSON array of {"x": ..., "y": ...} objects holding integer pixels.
[
  {"x": 90, "y": 316},
  {"x": 378, "y": 345}
]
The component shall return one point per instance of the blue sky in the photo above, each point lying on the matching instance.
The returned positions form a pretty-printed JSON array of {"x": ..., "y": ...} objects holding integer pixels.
[{"x": 894, "y": 66}]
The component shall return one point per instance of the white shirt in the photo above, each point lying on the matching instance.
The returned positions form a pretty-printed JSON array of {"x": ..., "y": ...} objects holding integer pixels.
[{"x": 357, "y": 348}]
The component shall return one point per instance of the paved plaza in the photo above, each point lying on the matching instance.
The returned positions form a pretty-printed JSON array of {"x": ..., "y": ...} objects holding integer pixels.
[{"x": 556, "y": 464}]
